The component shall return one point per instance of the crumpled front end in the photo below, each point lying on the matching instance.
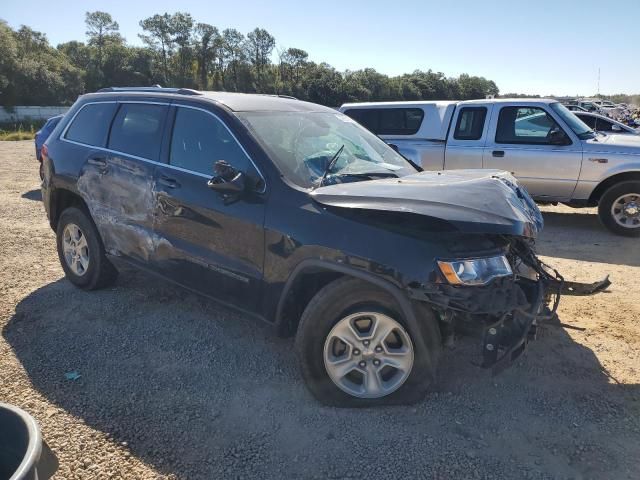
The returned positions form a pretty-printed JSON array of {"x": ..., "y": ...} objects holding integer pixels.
[{"x": 506, "y": 312}]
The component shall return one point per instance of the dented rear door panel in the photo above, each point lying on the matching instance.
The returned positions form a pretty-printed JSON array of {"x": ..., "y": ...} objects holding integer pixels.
[{"x": 119, "y": 191}]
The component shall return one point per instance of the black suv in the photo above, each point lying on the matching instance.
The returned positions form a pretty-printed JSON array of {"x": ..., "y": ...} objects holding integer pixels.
[{"x": 294, "y": 213}]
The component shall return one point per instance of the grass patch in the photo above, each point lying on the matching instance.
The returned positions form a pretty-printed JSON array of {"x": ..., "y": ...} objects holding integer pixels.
[
  {"x": 20, "y": 131},
  {"x": 13, "y": 136}
]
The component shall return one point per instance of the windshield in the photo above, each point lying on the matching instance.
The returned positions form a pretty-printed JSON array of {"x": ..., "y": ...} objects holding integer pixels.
[
  {"x": 303, "y": 145},
  {"x": 578, "y": 126}
]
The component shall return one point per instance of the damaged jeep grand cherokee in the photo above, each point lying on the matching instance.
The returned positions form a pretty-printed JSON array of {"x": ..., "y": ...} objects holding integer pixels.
[{"x": 295, "y": 214}]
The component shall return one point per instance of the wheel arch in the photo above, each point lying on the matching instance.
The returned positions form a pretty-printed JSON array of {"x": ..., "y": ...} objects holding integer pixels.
[
  {"x": 324, "y": 272},
  {"x": 61, "y": 199},
  {"x": 609, "y": 182}
]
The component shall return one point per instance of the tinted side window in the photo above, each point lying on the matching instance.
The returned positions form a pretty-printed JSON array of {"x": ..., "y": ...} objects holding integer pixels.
[
  {"x": 470, "y": 123},
  {"x": 603, "y": 125},
  {"x": 524, "y": 125},
  {"x": 91, "y": 125},
  {"x": 368, "y": 118},
  {"x": 200, "y": 139},
  {"x": 389, "y": 121},
  {"x": 589, "y": 120},
  {"x": 137, "y": 130}
]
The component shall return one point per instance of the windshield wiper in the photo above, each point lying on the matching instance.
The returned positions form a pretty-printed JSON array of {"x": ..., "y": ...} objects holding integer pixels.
[{"x": 330, "y": 165}]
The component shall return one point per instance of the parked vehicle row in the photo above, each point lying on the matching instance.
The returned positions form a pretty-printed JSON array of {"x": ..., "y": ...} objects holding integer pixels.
[
  {"x": 555, "y": 155},
  {"x": 296, "y": 214}
]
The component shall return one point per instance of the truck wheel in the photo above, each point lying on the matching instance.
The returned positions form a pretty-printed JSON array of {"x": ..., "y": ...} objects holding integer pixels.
[
  {"x": 81, "y": 252},
  {"x": 356, "y": 349},
  {"x": 619, "y": 208}
]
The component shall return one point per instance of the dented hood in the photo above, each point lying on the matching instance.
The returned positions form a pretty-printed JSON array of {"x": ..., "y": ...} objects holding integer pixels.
[{"x": 473, "y": 201}]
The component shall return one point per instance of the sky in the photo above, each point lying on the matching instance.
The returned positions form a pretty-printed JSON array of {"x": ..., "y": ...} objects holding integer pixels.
[{"x": 534, "y": 47}]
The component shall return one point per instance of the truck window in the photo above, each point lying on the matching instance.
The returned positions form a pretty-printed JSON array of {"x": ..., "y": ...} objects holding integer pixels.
[
  {"x": 388, "y": 121},
  {"x": 588, "y": 120},
  {"x": 91, "y": 124},
  {"x": 470, "y": 123},
  {"x": 603, "y": 125},
  {"x": 137, "y": 130},
  {"x": 528, "y": 125}
]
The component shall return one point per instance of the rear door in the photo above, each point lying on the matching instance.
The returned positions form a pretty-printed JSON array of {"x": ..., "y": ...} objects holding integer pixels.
[
  {"x": 126, "y": 185},
  {"x": 519, "y": 143},
  {"x": 467, "y": 137},
  {"x": 119, "y": 144},
  {"x": 209, "y": 243}
]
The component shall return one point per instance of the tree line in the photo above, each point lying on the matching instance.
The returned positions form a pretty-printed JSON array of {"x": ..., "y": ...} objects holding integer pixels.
[{"x": 180, "y": 52}]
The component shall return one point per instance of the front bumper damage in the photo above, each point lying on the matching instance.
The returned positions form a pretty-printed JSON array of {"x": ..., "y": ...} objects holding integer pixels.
[{"x": 506, "y": 313}]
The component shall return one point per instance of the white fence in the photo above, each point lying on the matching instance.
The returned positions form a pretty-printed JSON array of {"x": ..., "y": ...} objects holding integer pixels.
[{"x": 17, "y": 114}]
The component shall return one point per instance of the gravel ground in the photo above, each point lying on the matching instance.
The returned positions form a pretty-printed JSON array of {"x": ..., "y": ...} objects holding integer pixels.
[{"x": 175, "y": 386}]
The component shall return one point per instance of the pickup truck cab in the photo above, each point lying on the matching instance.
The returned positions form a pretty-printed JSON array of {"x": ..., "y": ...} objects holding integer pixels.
[{"x": 551, "y": 152}]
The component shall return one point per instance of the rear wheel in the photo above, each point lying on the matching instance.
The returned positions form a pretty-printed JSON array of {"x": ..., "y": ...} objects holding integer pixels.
[
  {"x": 619, "y": 208},
  {"x": 81, "y": 252},
  {"x": 356, "y": 349}
]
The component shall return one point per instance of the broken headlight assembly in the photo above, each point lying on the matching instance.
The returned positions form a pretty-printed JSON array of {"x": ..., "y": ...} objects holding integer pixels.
[{"x": 475, "y": 271}]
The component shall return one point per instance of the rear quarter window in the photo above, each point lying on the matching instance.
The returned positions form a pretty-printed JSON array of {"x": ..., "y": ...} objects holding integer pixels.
[
  {"x": 91, "y": 125},
  {"x": 388, "y": 121}
]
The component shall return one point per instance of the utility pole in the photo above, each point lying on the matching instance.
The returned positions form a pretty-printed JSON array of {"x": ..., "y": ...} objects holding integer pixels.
[{"x": 598, "y": 82}]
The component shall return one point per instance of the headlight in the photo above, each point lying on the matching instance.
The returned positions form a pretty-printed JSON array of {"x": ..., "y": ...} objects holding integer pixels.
[{"x": 476, "y": 271}]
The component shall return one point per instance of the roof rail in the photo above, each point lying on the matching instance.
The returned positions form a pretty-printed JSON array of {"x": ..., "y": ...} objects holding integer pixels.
[
  {"x": 155, "y": 88},
  {"x": 277, "y": 95}
]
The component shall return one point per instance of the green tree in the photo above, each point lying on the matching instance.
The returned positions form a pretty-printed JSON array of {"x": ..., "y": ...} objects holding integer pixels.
[
  {"x": 181, "y": 25},
  {"x": 101, "y": 29},
  {"x": 159, "y": 38},
  {"x": 232, "y": 54},
  {"x": 206, "y": 43},
  {"x": 260, "y": 45}
]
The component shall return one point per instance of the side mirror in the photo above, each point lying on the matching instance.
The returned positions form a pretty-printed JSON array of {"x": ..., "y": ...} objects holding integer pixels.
[
  {"x": 616, "y": 128},
  {"x": 227, "y": 179},
  {"x": 558, "y": 137}
]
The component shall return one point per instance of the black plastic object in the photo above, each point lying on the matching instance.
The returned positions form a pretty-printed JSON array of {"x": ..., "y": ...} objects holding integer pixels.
[{"x": 23, "y": 453}]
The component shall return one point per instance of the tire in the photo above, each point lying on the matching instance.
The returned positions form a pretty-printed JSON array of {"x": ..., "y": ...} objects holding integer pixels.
[
  {"x": 347, "y": 298},
  {"x": 630, "y": 190},
  {"x": 99, "y": 271},
  {"x": 41, "y": 170}
]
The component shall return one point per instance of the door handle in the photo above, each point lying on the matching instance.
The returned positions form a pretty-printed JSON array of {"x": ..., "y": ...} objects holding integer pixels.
[
  {"x": 599, "y": 160},
  {"x": 168, "y": 182},
  {"x": 498, "y": 153}
]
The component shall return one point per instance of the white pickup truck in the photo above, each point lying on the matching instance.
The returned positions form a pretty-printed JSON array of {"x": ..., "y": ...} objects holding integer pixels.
[{"x": 545, "y": 146}]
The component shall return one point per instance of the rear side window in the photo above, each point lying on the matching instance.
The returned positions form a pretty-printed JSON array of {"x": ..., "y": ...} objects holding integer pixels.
[
  {"x": 389, "y": 121},
  {"x": 588, "y": 120},
  {"x": 200, "y": 139},
  {"x": 137, "y": 130},
  {"x": 470, "y": 123},
  {"x": 91, "y": 125}
]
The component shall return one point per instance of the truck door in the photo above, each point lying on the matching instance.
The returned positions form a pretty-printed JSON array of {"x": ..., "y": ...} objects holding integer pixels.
[
  {"x": 467, "y": 136},
  {"x": 531, "y": 143}
]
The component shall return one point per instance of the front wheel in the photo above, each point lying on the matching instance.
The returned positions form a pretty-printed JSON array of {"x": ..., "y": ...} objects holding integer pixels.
[
  {"x": 619, "y": 208},
  {"x": 356, "y": 349}
]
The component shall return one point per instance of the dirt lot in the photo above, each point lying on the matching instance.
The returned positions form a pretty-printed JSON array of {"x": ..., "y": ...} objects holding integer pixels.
[{"x": 175, "y": 386}]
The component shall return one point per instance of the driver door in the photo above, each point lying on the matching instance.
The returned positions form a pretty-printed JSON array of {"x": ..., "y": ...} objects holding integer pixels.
[
  {"x": 207, "y": 242},
  {"x": 519, "y": 142}
]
